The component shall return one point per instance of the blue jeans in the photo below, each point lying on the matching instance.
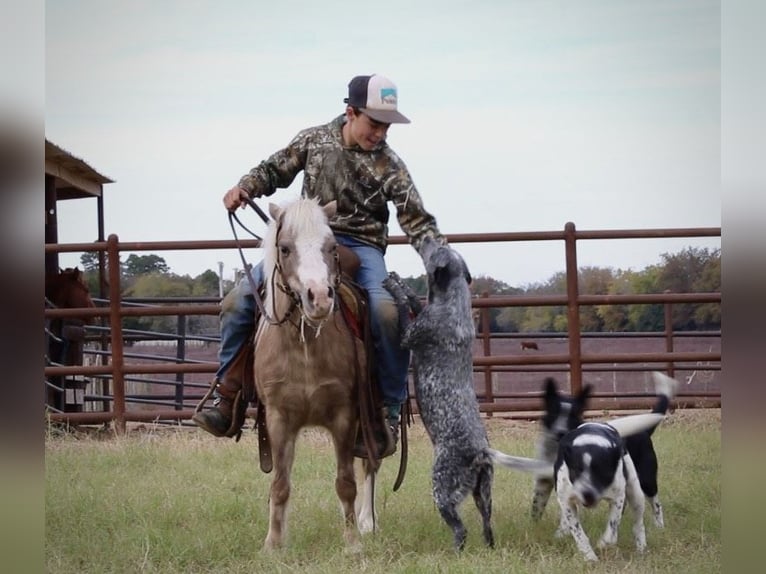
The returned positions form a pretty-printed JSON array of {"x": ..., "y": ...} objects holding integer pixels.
[{"x": 391, "y": 360}]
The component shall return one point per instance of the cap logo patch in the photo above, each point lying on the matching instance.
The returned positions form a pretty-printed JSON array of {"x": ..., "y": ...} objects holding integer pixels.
[{"x": 388, "y": 95}]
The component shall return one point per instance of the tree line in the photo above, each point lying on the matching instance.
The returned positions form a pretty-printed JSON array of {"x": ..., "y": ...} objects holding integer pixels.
[{"x": 691, "y": 270}]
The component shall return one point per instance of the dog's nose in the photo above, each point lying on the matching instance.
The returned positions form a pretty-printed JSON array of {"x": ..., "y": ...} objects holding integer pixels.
[{"x": 588, "y": 498}]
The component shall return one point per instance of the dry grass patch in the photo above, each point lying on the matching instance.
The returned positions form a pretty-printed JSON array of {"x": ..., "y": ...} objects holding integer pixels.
[{"x": 173, "y": 499}]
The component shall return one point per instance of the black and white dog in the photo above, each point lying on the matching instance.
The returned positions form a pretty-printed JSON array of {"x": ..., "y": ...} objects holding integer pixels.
[
  {"x": 441, "y": 340},
  {"x": 563, "y": 413},
  {"x": 593, "y": 465}
]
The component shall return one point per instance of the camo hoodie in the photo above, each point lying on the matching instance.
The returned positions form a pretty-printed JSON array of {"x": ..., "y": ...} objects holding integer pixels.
[{"x": 362, "y": 182}]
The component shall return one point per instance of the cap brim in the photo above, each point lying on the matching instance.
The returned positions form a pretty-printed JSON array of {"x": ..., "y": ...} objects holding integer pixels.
[{"x": 386, "y": 116}]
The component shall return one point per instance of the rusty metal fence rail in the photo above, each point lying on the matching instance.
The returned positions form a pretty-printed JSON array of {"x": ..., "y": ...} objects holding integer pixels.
[{"x": 571, "y": 360}]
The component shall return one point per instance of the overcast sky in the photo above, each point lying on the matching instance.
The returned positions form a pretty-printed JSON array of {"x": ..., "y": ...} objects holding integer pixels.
[{"x": 525, "y": 115}]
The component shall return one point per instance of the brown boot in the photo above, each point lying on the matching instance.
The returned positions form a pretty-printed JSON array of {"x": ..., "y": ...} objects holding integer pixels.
[
  {"x": 393, "y": 427},
  {"x": 385, "y": 435},
  {"x": 230, "y": 405},
  {"x": 218, "y": 420}
]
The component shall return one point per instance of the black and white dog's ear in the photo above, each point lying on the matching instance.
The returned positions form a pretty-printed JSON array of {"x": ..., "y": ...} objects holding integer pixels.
[
  {"x": 551, "y": 394},
  {"x": 584, "y": 394}
]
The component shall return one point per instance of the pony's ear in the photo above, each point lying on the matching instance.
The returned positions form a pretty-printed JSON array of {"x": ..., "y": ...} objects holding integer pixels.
[
  {"x": 275, "y": 211},
  {"x": 330, "y": 209}
]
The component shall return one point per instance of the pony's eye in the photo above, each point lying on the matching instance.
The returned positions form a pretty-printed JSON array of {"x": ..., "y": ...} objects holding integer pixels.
[{"x": 284, "y": 250}]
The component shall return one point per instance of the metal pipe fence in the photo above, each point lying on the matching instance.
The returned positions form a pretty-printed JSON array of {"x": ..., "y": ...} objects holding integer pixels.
[{"x": 507, "y": 380}]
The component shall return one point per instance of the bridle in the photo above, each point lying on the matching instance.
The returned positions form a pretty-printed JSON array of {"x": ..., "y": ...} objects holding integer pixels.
[{"x": 281, "y": 284}]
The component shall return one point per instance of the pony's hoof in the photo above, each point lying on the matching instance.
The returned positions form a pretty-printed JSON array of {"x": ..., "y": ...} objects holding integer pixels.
[
  {"x": 353, "y": 548},
  {"x": 271, "y": 545},
  {"x": 366, "y": 524}
]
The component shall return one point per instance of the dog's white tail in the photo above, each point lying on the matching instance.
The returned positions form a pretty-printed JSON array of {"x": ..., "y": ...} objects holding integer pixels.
[
  {"x": 634, "y": 424},
  {"x": 664, "y": 385},
  {"x": 532, "y": 465}
]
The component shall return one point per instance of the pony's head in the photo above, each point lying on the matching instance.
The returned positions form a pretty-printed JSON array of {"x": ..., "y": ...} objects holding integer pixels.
[{"x": 301, "y": 250}]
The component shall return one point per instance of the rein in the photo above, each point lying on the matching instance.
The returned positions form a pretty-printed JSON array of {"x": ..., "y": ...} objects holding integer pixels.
[{"x": 253, "y": 287}]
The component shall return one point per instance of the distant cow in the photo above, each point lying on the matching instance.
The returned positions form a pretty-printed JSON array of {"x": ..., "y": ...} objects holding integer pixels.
[{"x": 529, "y": 345}]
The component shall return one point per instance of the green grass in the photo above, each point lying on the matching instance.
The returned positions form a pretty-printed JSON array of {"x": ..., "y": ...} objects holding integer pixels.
[{"x": 178, "y": 500}]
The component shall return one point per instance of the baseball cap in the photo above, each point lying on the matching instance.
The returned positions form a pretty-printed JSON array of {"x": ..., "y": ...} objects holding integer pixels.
[{"x": 375, "y": 96}]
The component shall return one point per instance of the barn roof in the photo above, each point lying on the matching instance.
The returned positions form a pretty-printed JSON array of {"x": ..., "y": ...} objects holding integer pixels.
[{"x": 74, "y": 178}]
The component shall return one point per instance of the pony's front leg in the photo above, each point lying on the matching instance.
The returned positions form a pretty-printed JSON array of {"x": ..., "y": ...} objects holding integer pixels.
[
  {"x": 345, "y": 486},
  {"x": 367, "y": 515},
  {"x": 283, "y": 448}
]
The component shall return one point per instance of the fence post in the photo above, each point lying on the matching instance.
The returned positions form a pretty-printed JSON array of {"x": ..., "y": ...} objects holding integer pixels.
[
  {"x": 489, "y": 394},
  {"x": 181, "y": 356},
  {"x": 115, "y": 321},
  {"x": 668, "y": 308},
  {"x": 573, "y": 309}
]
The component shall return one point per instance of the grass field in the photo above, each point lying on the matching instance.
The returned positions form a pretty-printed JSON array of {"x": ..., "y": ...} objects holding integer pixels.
[{"x": 164, "y": 499}]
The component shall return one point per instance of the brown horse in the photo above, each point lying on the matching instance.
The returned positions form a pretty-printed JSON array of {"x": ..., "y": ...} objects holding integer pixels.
[
  {"x": 64, "y": 337},
  {"x": 67, "y": 290},
  {"x": 307, "y": 360}
]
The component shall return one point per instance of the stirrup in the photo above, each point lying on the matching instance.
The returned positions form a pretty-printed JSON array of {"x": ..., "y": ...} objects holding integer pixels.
[
  {"x": 238, "y": 415},
  {"x": 238, "y": 411},
  {"x": 207, "y": 395}
]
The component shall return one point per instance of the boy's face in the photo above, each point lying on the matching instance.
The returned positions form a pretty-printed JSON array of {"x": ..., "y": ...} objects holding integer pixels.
[{"x": 364, "y": 131}]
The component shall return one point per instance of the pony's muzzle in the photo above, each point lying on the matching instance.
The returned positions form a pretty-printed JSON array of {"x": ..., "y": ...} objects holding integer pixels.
[{"x": 318, "y": 301}]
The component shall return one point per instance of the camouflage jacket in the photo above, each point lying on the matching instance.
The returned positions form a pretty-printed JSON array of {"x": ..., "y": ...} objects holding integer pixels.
[{"x": 362, "y": 182}]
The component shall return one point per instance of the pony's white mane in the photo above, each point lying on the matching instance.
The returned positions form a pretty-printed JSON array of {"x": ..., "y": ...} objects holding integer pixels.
[{"x": 304, "y": 220}]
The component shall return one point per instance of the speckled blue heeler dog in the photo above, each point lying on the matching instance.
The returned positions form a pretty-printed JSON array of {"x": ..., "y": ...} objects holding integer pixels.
[{"x": 441, "y": 339}]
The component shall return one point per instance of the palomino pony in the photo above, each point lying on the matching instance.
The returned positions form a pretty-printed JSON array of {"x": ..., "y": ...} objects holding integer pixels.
[{"x": 307, "y": 360}]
